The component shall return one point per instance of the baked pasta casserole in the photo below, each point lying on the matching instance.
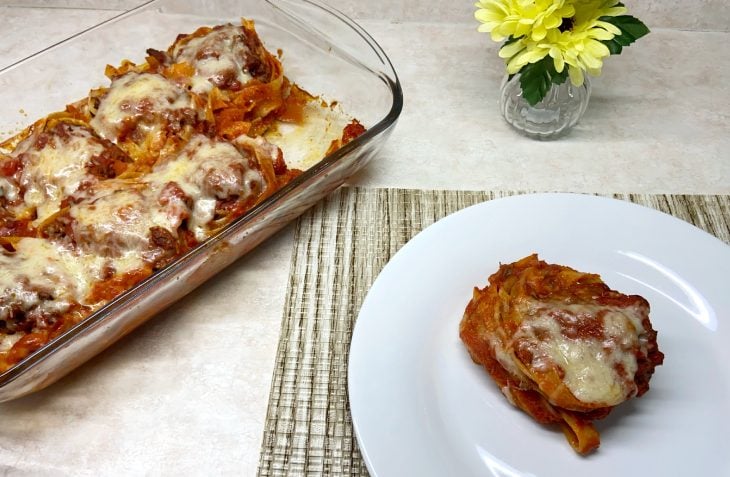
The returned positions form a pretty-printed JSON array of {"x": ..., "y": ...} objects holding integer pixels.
[{"x": 96, "y": 198}]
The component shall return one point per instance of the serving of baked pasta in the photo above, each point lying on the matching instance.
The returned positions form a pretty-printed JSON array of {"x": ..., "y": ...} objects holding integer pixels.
[
  {"x": 98, "y": 197},
  {"x": 561, "y": 345}
]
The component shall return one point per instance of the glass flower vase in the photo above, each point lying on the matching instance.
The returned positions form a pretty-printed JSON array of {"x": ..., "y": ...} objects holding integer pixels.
[{"x": 560, "y": 110}]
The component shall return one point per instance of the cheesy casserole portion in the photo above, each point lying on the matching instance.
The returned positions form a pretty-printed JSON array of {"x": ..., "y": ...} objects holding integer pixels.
[{"x": 560, "y": 344}]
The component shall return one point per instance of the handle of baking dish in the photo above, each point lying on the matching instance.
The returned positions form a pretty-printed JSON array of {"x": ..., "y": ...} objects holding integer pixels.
[{"x": 331, "y": 30}]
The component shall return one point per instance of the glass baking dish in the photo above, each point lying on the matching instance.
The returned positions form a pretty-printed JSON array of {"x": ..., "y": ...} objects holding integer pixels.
[{"x": 324, "y": 52}]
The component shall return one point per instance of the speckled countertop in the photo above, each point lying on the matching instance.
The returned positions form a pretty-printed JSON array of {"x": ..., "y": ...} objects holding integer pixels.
[{"x": 165, "y": 400}]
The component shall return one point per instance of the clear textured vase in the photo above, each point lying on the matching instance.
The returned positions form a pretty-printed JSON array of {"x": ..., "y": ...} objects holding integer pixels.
[{"x": 555, "y": 115}]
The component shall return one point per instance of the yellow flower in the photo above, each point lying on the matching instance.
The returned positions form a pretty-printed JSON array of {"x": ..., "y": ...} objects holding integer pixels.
[
  {"x": 521, "y": 52},
  {"x": 578, "y": 43},
  {"x": 521, "y": 18}
]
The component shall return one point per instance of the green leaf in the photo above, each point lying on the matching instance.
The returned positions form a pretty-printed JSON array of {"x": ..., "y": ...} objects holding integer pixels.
[
  {"x": 535, "y": 82},
  {"x": 536, "y": 79},
  {"x": 631, "y": 30},
  {"x": 559, "y": 78},
  {"x": 555, "y": 77},
  {"x": 614, "y": 47}
]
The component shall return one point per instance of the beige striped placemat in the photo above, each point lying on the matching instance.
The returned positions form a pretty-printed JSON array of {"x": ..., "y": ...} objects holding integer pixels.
[{"x": 340, "y": 247}]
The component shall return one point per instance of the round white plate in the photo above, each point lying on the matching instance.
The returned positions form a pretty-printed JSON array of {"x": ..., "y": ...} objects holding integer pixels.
[{"x": 421, "y": 407}]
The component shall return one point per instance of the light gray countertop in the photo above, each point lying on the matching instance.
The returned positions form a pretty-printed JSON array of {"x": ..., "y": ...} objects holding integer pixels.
[{"x": 164, "y": 401}]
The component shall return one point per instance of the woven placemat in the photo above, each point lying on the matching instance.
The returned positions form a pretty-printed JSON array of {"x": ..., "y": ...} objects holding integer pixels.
[{"x": 340, "y": 247}]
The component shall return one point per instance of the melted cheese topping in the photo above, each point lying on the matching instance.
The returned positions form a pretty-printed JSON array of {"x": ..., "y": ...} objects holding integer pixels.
[
  {"x": 44, "y": 278},
  {"x": 141, "y": 97},
  {"x": 208, "y": 170},
  {"x": 8, "y": 190},
  {"x": 37, "y": 267},
  {"x": 112, "y": 219},
  {"x": 7, "y": 341},
  {"x": 506, "y": 360},
  {"x": 56, "y": 170},
  {"x": 589, "y": 362},
  {"x": 219, "y": 54},
  {"x": 41, "y": 275},
  {"x": 117, "y": 216}
]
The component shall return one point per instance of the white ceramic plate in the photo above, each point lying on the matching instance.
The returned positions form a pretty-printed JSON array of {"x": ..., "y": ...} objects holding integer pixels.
[{"x": 421, "y": 407}]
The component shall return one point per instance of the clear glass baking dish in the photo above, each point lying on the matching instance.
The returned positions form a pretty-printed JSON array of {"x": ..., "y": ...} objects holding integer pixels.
[{"x": 324, "y": 52}]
